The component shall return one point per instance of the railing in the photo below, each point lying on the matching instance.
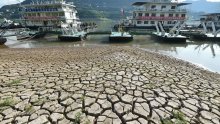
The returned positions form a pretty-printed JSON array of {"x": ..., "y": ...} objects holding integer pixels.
[
  {"x": 42, "y": 10},
  {"x": 42, "y": 18},
  {"x": 163, "y": 10},
  {"x": 159, "y": 18}
]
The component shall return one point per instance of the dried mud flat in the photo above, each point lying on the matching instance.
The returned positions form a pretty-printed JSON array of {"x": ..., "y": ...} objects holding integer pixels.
[{"x": 104, "y": 85}]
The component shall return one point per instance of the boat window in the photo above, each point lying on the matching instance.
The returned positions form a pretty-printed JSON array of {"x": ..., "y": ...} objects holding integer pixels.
[
  {"x": 173, "y": 7},
  {"x": 163, "y": 7},
  {"x": 145, "y": 22},
  {"x": 139, "y": 22},
  {"x": 146, "y": 14},
  {"x": 139, "y": 14},
  {"x": 169, "y": 22},
  {"x": 161, "y": 15},
  {"x": 170, "y": 15},
  {"x": 153, "y": 7},
  {"x": 183, "y": 15},
  {"x": 177, "y": 15},
  {"x": 153, "y": 14},
  {"x": 152, "y": 22}
]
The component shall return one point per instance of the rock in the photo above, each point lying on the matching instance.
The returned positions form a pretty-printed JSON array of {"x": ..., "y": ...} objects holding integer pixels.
[
  {"x": 55, "y": 117},
  {"x": 40, "y": 120}
]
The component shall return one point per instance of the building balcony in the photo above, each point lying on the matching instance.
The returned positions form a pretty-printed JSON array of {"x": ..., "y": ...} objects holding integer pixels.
[
  {"x": 159, "y": 18},
  {"x": 43, "y": 10}
]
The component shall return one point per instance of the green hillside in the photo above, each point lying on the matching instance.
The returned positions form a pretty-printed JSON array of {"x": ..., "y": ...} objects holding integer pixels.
[{"x": 86, "y": 8}]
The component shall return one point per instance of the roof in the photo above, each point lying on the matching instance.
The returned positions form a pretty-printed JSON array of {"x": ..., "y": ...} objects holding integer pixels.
[
  {"x": 143, "y": 3},
  {"x": 211, "y": 14}
]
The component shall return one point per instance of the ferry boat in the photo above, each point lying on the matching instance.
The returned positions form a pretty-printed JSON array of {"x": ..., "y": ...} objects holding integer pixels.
[
  {"x": 146, "y": 14},
  {"x": 50, "y": 15}
]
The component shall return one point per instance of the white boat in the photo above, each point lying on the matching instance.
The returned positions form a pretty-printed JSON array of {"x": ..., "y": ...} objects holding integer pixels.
[
  {"x": 207, "y": 36},
  {"x": 120, "y": 35},
  {"x": 72, "y": 34},
  {"x": 146, "y": 14},
  {"x": 49, "y": 14},
  {"x": 172, "y": 37}
]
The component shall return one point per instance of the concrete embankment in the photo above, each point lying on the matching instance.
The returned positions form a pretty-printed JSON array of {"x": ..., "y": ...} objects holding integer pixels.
[{"x": 104, "y": 85}]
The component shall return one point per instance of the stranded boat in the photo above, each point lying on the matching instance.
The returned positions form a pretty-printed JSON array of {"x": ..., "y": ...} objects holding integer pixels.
[
  {"x": 171, "y": 37},
  {"x": 71, "y": 34},
  {"x": 120, "y": 36},
  {"x": 5, "y": 24}
]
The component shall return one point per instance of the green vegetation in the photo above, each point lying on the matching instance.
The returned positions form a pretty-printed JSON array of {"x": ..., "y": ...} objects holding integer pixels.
[
  {"x": 7, "y": 102},
  {"x": 178, "y": 118},
  {"x": 15, "y": 82},
  {"x": 78, "y": 117},
  {"x": 29, "y": 109}
]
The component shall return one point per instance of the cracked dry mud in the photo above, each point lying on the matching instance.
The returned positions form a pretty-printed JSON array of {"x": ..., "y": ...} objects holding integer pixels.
[{"x": 104, "y": 85}]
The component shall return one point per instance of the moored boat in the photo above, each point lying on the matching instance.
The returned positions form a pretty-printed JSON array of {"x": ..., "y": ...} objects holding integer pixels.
[
  {"x": 120, "y": 36},
  {"x": 28, "y": 34},
  {"x": 207, "y": 36},
  {"x": 72, "y": 34},
  {"x": 2, "y": 40},
  {"x": 172, "y": 37},
  {"x": 169, "y": 38}
]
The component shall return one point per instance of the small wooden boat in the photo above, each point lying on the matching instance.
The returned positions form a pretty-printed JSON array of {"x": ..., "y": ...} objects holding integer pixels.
[{"x": 2, "y": 40}]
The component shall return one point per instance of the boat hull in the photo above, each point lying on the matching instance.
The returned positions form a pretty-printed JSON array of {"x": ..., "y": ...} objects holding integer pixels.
[
  {"x": 2, "y": 40},
  {"x": 170, "y": 39},
  {"x": 69, "y": 38},
  {"x": 120, "y": 38},
  {"x": 202, "y": 37},
  {"x": 31, "y": 36}
]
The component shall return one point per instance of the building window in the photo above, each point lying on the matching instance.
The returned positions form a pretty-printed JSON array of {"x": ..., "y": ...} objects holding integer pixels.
[
  {"x": 177, "y": 15},
  {"x": 139, "y": 22},
  {"x": 145, "y": 22},
  {"x": 153, "y": 7},
  {"x": 139, "y": 14},
  {"x": 163, "y": 7},
  {"x": 173, "y": 7},
  {"x": 170, "y": 15},
  {"x": 146, "y": 14},
  {"x": 183, "y": 15},
  {"x": 161, "y": 15},
  {"x": 153, "y": 14},
  {"x": 169, "y": 22},
  {"x": 152, "y": 22}
]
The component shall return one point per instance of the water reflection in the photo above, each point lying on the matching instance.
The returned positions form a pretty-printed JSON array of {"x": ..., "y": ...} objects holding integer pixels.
[
  {"x": 211, "y": 45},
  {"x": 206, "y": 54}
]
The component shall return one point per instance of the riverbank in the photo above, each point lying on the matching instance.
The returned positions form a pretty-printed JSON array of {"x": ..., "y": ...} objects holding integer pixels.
[{"x": 104, "y": 85}]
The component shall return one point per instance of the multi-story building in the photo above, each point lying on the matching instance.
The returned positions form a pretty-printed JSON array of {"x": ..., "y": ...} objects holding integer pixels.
[
  {"x": 50, "y": 14},
  {"x": 146, "y": 14}
]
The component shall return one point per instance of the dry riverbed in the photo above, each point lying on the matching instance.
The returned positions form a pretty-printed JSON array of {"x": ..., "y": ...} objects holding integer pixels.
[{"x": 104, "y": 85}]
